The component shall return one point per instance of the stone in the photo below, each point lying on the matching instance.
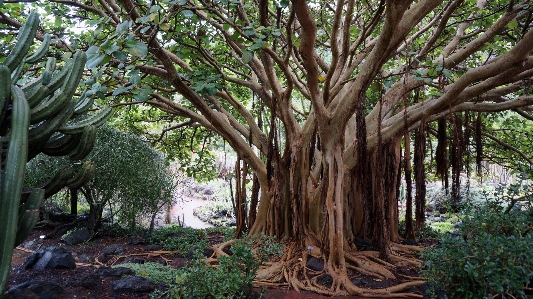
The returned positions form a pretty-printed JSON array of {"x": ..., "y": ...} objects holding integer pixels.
[
  {"x": 112, "y": 249},
  {"x": 315, "y": 264},
  {"x": 208, "y": 252},
  {"x": 35, "y": 289},
  {"x": 325, "y": 279},
  {"x": 76, "y": 237},
  {"x": 133, "y": 284},
  {"x": 50, "y": 258},
  {"x": 114, "y": 273},
  {"x": 108, "y": 251},
  {"x": 31, "y": 245},
  {"x": 83, "y": 258}
]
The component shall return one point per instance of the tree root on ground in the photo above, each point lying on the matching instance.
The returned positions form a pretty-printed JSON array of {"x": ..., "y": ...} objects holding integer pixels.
[{"x": 291, "y": 270}]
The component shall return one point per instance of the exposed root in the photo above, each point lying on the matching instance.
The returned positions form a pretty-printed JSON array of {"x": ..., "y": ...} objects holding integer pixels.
[
  {"x": 291, "y": 271},
  {"x": 406, "y": 248}
]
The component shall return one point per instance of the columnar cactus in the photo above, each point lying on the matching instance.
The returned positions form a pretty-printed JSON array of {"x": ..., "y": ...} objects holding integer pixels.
[{"x": 40, "y": 116}]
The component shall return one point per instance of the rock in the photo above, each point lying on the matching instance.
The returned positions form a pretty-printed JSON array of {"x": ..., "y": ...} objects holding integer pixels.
[
  {"x": 108, "y": 251},
  {"x": 180, "y": 262},
  {"x": 315, "y": 264},
  {"x": 458, "y": 224},
  {"x": 114, "y": 273},
  {"x": 83, "y": 258},
  {"x": 50, "y": 258},
  {"x": 133, "y": 284},
  {"x": 231, "y": 222},
  {"x": 77, "y": 236},
  {"x": 364, "y": 245},
  {"x": 31, "y": 245},
  {"x": 358, "y": 281},
  {"x": 137, "y": 240},
  {"x": 163, "y": 286},
  {"x": 325, "y": 279},
  {"x": 112, "y": 249},
  {"x": 35, "y": 289},
  {"x": 153, "y": 247},
  {"x": 21, "y": 294},
  {"x": 208, "y": 252}
]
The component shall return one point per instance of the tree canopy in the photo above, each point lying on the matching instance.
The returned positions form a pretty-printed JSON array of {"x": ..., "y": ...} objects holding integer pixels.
[{"x": 315, "y": 97}]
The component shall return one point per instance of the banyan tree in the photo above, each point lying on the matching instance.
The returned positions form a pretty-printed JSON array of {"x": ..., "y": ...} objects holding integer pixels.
[{"x": 327, "y": 103}]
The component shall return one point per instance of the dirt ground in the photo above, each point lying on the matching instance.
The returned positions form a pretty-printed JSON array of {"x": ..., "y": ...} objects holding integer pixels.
[{"x": 104, "y": 290}]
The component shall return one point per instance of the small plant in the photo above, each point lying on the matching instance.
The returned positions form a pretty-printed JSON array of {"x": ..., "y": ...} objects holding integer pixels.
[
  {"x": 491, "y": 257},
  {"x": 155, "y": 272}
]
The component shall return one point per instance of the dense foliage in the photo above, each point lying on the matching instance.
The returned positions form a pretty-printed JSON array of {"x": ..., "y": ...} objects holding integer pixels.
[
  {"x": 131, "y": 180},
  {"x": 490, "y": 254}
]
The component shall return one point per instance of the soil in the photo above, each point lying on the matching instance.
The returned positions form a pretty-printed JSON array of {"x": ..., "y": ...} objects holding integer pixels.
[{"x": 134, "y": 250}]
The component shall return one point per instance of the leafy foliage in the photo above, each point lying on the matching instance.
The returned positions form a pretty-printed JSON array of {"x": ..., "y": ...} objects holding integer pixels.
[
  {"x": 490, "y": 256},
  {"x": 182, "y": 239},
  {"x": 154, "y": 271},
  {"x": 235, "y": 272},
  {"x": 131, "y": 177}
]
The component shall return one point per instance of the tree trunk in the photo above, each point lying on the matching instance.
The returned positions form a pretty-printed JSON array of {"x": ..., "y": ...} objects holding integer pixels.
[{"x": 73, "y": 201}]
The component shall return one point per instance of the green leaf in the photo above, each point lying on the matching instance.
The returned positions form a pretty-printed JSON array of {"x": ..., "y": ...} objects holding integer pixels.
[
  {"x": 226, "y": 27},
  {"x": 94, "y": 58},
  {"x": 137, "y": 48},
  {"x": 187, "y": 13},
  {"x": 247, "y": 56},
  {"x": 513, "y": 25},
  {"x": 284, "y": 3},
  {"x": 119, "y": 90},
  {"x": 164, "y": 27}
]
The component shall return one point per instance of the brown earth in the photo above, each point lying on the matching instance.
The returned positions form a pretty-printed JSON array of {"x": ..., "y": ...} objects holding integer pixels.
[{"x": 133, "y": 251}]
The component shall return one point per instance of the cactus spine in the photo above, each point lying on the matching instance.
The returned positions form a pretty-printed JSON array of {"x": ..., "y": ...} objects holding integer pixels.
[{"x": 30, "y": 118}]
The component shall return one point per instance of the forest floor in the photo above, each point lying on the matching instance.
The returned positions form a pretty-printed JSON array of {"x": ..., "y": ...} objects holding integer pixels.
[{"x": 132, "y": 249}]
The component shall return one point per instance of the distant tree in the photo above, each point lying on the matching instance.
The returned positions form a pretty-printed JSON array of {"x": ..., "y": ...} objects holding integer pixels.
[{"x": 131, "y": 178}]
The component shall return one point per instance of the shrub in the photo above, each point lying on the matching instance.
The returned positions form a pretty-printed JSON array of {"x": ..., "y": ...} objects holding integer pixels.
[
  {"x": 233, "y": 276},
  {"x": 490, "y": 257},
  {"x": 181, "y": 239},
  {"x": 155, "y": 272}
]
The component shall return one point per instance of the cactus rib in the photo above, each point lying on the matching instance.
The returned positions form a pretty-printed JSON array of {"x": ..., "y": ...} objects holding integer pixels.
[
  {"x": 85, "y": 145},
  {"x": 96, "y": 119},
  {"x": 43, "y": 49},
  {"x": 24, "y": 41},
  {"x": 5, "y": 90},
  {"x": 14, "y": 176},
  {"x": 29, "y": 215}
]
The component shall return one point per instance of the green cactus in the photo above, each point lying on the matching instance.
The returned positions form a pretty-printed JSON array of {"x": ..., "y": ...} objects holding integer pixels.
[{"x": 36, "y": 118}]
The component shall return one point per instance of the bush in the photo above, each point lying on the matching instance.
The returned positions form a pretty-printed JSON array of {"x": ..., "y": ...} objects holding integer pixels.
[
  {"x": 154, "y": 272},
  {"x": 181, "y": 239},
  {"x": 491, "y": 255},
  {"x": 233, "y": 276}
]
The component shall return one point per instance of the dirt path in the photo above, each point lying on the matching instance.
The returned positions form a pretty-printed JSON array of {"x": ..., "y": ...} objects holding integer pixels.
[{"x": 184, "y": 210}]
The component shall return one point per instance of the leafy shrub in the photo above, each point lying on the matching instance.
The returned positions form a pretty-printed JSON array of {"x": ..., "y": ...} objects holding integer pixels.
[
  {"x": 182, "y": 239},
  {"x": 155, "y": 272},
  {"x": 491, "y": 256},
  {"x": 233, "y": 276}
]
